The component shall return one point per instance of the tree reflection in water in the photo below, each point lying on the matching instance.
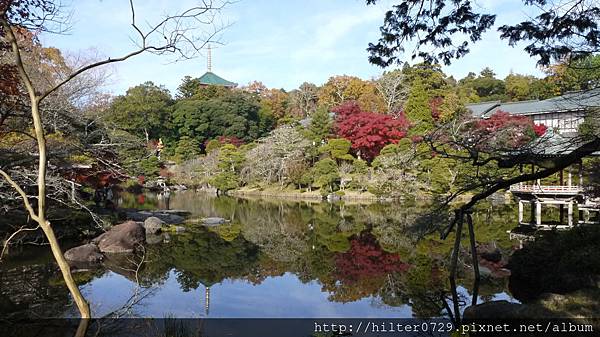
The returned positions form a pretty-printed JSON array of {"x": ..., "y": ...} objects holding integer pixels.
[{"x": 385, "y": 252}]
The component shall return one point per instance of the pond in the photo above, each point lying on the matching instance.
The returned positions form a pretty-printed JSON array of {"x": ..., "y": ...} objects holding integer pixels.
[{"x": 274, "y": 259}]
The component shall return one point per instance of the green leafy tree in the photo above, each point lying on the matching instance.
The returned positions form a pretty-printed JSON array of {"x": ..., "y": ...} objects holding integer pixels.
[
  {"x": 149, "y": 167},
  {"x": 206, "y": 92},
  {"x": 212, "y": 145},
  {"x": 488, "y": 87},
  {"x": 359, "y": 166},
  {"x": 544, "y": 88},
  {"x": 326, "y": 175},
  {"x": 229, "y": 162},
  {"x": 431, "y": 76},
  {"x": 230, "y": 158},
  {"x": 583, "y": 74},
  {"x": 143, "y": 111},
  {"x": 232, "y": 115},
  {"x": 338, "y": 149},
  {"x": 189, "y": 87},
  {"x": 187, "y": 148},
  {"x": 465, "y": 90},
  {"x": 225, "y": 181},
  {"x": 520, "y": 87}
]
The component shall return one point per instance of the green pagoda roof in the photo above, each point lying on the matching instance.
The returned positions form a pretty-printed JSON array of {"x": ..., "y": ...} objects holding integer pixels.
[{"x": 210, "y": 78}]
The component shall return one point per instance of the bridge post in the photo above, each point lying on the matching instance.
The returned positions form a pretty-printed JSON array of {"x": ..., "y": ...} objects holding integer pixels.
[
  {"x": 538, "y": 212},
  {"x": 520, "y": 211},
  {"x": 570, "y": 213}
]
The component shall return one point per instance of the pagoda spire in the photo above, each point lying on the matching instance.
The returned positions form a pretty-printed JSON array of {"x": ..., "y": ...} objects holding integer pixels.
[{"x": 209, "y": 60}]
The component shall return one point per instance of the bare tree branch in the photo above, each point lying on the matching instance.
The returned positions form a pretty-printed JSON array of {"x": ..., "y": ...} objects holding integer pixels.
[{"x": 22, "y": 193}]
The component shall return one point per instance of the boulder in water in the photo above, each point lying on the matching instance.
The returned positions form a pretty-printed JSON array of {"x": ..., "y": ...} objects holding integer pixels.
[
  {"x": 123, "y": 238},
  {"x": 88, "y": 253},
  {"x": 494, "y": 310},
  {"x": 172, "y": 218},
  {"x": 214, "y": 221},
  {"x": 153, "y": 225}
]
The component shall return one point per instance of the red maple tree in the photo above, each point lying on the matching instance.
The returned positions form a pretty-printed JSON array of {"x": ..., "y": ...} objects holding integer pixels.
[
  {"x": 502, "y": 131},
  {"x": 368, "y": 132}
]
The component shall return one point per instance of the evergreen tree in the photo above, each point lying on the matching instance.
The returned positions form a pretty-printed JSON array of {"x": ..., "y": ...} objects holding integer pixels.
[
  {"x": 320, "y": 125},
  {"x": 234, "y": 114},
  {"x": 187, "y": 148},
  {"x": 418, "y": 110},
  {"x": 338, "y": 149},
  {"x": 326, "y": 175},
  {"x": 189, "y": 87},
  {"x": 230, "y": 161},
  {"x": 488, "y": 87}
]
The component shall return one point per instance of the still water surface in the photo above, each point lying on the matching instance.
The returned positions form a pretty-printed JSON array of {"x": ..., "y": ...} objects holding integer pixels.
[{"x": 275, "y": 259}]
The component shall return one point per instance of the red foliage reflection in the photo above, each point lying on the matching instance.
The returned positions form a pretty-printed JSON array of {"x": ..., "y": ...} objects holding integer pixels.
[{"x": 366, "y": 259}]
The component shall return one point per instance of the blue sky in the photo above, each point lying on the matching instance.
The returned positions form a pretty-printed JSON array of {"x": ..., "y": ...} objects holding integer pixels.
[{"x": 281, "y": 43}]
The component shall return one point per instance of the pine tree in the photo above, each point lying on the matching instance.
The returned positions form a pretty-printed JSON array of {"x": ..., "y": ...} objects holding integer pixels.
[
  {"x": 320, "y": 125},
  {"x": 417, "y": 109}
]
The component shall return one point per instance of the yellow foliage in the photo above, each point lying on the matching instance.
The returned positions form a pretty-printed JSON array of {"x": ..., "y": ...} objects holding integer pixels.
[{"x": 340, "y": 89}]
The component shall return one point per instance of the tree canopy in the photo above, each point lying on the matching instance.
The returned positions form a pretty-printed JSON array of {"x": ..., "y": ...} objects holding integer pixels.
[{"x": 444, "y": 30}]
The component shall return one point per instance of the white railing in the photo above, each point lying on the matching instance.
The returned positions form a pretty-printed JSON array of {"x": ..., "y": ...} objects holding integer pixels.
[{"x": 548, "y": 189}]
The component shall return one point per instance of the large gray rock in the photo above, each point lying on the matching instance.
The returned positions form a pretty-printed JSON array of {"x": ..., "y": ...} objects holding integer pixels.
[
  {"x": 172, "y": 219},
  {"x": 494, "y": 310},
  {"x": 123, "y": 238},
  {"x": 180, "y": 212},
  {"x": 153, "y": 225},
  {"x": 167, "y": 217},
  {"x": 85, "y": 253},
  {"x": 137, "y": 216},
  {"x": 214, "y": 221}
]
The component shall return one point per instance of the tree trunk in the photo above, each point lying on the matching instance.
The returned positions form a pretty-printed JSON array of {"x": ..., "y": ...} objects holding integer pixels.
[
  {"x": 82, "y": 305},
  {"x": 40, "y": 217}
]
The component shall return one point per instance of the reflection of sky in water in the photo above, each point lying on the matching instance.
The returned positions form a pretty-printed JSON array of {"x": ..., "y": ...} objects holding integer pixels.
[
  {"x": 281, "y": 296},
  {"x": 278, "y": 296}
]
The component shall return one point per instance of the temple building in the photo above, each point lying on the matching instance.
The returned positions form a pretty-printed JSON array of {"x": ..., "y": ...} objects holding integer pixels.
[
  {"x": 566, "y": 190},
  {"x": 210, "y": 78},
  {"x": 563, "y": 113}
]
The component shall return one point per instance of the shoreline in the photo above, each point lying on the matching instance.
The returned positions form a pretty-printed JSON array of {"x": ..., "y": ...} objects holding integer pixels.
[{"x": 349, "y": 196}]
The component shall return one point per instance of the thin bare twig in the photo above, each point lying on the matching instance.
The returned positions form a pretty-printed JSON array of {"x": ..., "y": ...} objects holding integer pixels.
[{"x": 7, "y": 241}]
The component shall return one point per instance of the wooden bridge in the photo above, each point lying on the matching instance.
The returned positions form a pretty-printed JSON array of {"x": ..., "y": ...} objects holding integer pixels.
[{"x": 568, "y": 195}]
